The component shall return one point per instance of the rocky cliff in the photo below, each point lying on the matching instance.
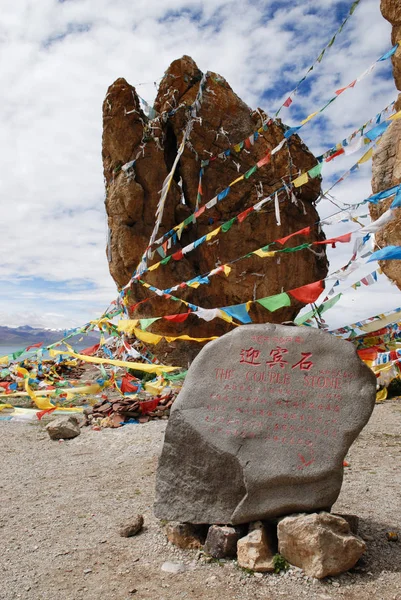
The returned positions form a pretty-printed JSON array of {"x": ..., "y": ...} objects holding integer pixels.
[
  {"x": 133, "y": 191},
  {"x": 386, "y": 167}
]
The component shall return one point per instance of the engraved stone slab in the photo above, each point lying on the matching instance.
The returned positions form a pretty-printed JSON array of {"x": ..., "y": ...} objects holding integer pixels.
[{"x": 260, "y": 429}]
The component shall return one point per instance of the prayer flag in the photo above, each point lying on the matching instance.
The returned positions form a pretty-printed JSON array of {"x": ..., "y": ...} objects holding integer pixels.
[
  {"x": 308, "y": 293},
  {"x": 273, "y": 303}
]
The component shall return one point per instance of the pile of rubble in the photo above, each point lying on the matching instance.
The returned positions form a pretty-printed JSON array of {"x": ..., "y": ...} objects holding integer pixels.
[{"x": 114, "y": 413}]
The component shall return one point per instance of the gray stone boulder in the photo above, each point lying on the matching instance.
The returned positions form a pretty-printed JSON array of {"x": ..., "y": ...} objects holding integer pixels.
[
  {"x": 261, "y": 427},
  {"x": 320, "y": 544},
  {"x": 64, "y": 428}
]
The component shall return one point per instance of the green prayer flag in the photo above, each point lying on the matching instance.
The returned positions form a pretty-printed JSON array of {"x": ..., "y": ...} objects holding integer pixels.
[
  {"x": 316, "y": 171},
  {"x": 320, "y": 310},
  {"x": 17, "y": 354},
  {"x": 353, "y": 7},
  {"x": 145, "y": 323},
  {"x": 226, "y": 226},
  {"x": 250, "y": 172},
  {"x": 328, "y": 103},
  {"x": 273, "y": 303},
  {"x": 331, "y": 42},
  {"x": 165, "y": 260},
  {"x": 319, "y": 58},
  {"x": 295, "y": 248},
  {"x": 189, "y": 220}
]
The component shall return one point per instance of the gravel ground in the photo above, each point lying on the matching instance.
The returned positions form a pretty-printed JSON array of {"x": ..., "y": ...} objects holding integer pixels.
[{"x": 62, "y": 504}]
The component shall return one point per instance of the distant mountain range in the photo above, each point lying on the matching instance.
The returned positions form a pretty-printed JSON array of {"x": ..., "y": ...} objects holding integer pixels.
[{"x": 26, "y": 335}]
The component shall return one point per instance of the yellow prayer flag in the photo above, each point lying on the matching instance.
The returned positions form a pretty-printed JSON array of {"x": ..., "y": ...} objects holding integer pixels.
[
  {"x": 190, "y": 339},
  {"x": 213, "y": 233},
  {"x": 147, "y": 368},
  {"x": 309, "y": 118},
  {"x": 236, "y": 180},
  {"x": 367, "y": 156},
  {"x": 396, "y": 116},
  {"x": 263, "y": 253},
  {"x": 227, "y": 270},
  {"x": 127, "y": 325},
  {"x": 154, "y": 267},
  {"x": 301, "y": 180},
  {"x": 223, "y": 315},
  {"x": 194, "y": 284}
]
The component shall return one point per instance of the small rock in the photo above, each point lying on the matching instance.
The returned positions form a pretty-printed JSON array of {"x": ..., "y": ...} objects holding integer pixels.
[
  {"x": 133, "y": 527},
  {"x": 133, "y": 591},
  {"x": 392, "y": 536},
  {"x": 174, "y": 568},
  {"x": 352, "y": 520},
  {"x": 221, "y": 542},
  {"x": 320, "y": 543},
  {"x": 86, "y": 571},
  {"x": 256, "y": 550},
  {"x": 186, "y": 535},
  {"x": 64, "y": 428}
]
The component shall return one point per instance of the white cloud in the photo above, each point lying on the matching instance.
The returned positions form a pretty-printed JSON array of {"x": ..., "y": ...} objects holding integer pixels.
[{"x": 62, "y": 56}]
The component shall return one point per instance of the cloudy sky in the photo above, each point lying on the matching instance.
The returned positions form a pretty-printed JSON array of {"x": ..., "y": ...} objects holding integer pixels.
[{"x": 59, "y": 57}]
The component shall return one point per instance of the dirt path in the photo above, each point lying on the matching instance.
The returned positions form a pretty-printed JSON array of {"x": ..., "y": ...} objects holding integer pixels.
[{"x": 62, "y": 504}]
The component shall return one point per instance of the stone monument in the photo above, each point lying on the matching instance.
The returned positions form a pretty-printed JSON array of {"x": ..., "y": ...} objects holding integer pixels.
[{"x": 262, "y": 425}]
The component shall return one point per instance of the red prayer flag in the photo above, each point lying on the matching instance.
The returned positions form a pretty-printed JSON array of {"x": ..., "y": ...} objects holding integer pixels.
[
  {"x": 367, "y": 353},
  {"x": 304, "y": 231},
  {"x": 288, "y": 102},
  {"x": 308, "y": 293},
  {"x": 242, "y": 216},
  {"x": 178, "y": 255},
  {"x": 264, "y": 161},
  {"x": 177, "y": 318},
  {"x": 338, "y": 153},
  {"x": 344, "y": 239},
  {"x": 38, "y": 345},
  {"x": 200, "y": 211},
  {"x": 127, "y": 386},
  {"x": 42, "y": 413},
  {"x": 91, "y": 350}
]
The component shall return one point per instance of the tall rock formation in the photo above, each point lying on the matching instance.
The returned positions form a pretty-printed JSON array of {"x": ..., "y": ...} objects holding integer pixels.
[
  {"x": 386, "y": 167},
  {"x": 132, "y": 194}
]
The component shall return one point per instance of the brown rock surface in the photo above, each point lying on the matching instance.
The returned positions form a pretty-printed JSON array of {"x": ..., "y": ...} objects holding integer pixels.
[
  {"x": 386, "y": 167},
  {"x": 221, "y": 541},
  {"x": 132, "y": 196},
  {"x": 321, "y": 544},
  {"x": 185, "y": 535}
]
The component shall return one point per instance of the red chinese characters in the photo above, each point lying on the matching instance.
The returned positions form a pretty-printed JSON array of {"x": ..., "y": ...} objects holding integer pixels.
[
  {"x": 277, "y": 357},
  {"x": 304, "y": 364},
  {"x": 250, "y": 356}
]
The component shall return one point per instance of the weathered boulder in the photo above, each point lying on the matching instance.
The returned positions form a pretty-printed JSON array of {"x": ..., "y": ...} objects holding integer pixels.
[
  {"x": 256, "y": 550},
  {"x": 386, "y": 166},
  {"x": 132, "y": 195},
  {"x": 391, "y": 10},
  {"x": 261, "y": 427},
  {"x": 221, "y": 541},
  {"x": 320, "y": 544},
  {"x": 64, "y": 428},
  {"x": 186, "y": 535}
]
